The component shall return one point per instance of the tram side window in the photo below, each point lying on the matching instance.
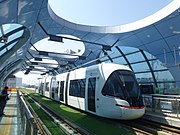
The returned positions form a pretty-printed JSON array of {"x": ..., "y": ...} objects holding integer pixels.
[
  {"x": 41, "y": 87},
  {"x": 82, "y": 84},
  {"x": 61, "y": 86},
  {"x": 47, "y": 86},
  {"x": 92, "y": 84},
  {"x": 54, "y": 86},
  {"x": 77, "y": 88}
]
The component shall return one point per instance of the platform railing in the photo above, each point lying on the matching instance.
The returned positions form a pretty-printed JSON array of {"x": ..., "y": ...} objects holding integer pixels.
[
  {"x": 28, "y": 126},
  {"x": 168, "y": 105}
]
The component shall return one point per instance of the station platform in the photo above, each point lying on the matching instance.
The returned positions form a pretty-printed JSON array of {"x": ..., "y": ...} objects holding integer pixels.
[
  {"x": 9, "y": 123},
  {"x": 162, "y": 109},
  {"x": 161, "y": 118}
]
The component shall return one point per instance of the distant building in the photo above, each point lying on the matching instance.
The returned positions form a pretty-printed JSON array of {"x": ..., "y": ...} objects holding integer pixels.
[
  {"x": 14, "y": 82},
  {"x": 69, "y": 51}
]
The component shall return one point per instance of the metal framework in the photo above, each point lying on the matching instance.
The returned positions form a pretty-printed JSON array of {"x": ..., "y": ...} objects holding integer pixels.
[{"x": 37, "y": 21}]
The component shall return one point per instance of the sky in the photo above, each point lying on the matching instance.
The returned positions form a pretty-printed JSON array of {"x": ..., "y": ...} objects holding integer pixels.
[
  {"x": 106, "y": 12},
  {"x": 100, "y": 13}
]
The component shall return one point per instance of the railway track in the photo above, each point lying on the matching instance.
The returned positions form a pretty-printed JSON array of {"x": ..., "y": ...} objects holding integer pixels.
[
  {"x": 146, "y": 127},
  {"x": 64, "y": 123},
  {"x": 138, "y": 126},
  {"x": 42, "y": 130}
]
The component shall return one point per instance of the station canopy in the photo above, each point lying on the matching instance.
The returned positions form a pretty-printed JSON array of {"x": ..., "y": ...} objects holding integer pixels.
[{"x": 35, "y": 38}]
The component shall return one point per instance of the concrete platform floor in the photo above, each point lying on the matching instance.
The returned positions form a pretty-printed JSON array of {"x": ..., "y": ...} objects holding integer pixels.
[
  {"x": 164, "y": 119},
  {"x": 9, "y": 123}
]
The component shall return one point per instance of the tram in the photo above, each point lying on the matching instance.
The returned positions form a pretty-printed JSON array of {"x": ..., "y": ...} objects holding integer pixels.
[{"x": 107, "y": 90}]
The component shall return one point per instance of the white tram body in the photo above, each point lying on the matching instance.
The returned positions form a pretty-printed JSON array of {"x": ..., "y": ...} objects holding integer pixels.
[{"x": 108, "y": 90}]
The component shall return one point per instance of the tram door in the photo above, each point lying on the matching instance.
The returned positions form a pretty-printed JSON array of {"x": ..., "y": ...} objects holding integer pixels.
[
  {"x": 53, "y": 87},
  {"x": 41, "y": 88},
  {"x": 66, "y": 88},
  {"x": 91, "y": 94},
  {"x": 61, "y": 93}
]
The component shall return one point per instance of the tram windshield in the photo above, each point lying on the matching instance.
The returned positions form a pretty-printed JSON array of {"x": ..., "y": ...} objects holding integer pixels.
[{"x": 122, "y": 84}]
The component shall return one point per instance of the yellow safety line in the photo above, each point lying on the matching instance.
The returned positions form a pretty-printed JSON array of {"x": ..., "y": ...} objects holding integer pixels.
[{"x": 8, "y": 120}]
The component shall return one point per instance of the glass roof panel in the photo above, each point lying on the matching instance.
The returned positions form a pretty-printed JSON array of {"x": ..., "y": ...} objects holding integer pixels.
[
  {"x": 144, "y": 77},
  {"x": 1, "y": 44},
  {"x": 163, "y": 76},
  {"x": 114, "y": 52},
  {"x": 15, "y": 35},
  {"x": 68, "y": 46},
  {"x": 1, "y": 33},
  {"x": 140, "y": 67},
  {"x": 46, "y": 61},
  {"x": 126, "y": 50},
  {"x": 135, "y": 57},
  {"x": 7, "y": 29},
  {"x": 10, "y": 46},
  {"x": 149, "y": 56},
  {"x": 149, "y": 35},
  {"x": 120, "y": 60},
  {"x": 2, "y": 52},
  {"x": 104, "y": 59},
  {"x": 157, "y": 65}
]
